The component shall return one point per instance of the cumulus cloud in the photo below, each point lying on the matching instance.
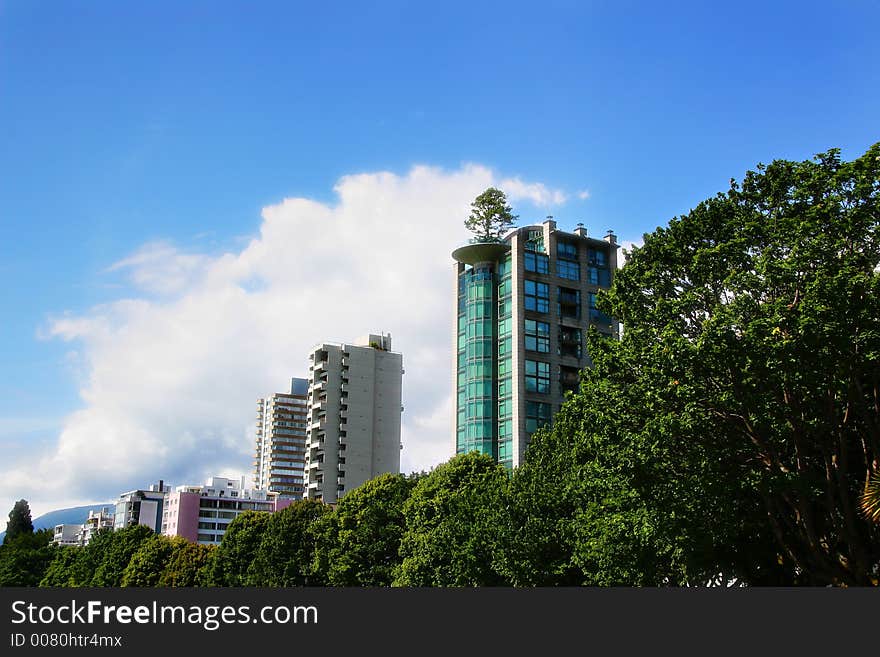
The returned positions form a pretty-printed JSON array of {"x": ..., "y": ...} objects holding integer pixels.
[{"x": 170, "y": 375}]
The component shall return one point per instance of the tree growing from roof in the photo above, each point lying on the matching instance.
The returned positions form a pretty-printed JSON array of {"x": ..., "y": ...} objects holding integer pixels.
[
  {"x": 19, "y": 521},
  {"x": 491, "y": 216}
]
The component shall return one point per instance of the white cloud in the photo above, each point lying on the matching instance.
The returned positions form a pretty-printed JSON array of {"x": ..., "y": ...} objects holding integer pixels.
[
  {"x": 537, "y": 193},
  {"x": 171, "y": 375},
  {"x": 584, "y": 194},
  {"x": 625, "y": 247},
  {"x": 159, "y": 267}
]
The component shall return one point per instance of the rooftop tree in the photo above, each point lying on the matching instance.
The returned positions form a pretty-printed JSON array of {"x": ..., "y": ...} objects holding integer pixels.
[{"x": 491, "y": 217}]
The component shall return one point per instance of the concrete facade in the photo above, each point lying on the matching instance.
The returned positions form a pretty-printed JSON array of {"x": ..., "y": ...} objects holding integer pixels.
[
  {"x": 354, "y": 415},
  {"x": 142, "y": 507},
  {"x": 523, "y": 309},
  {"x": 279, "y": 457},
  {"x": 103, "y": 518}
]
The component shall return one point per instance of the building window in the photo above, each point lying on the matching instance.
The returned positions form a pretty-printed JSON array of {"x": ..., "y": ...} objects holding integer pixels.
[
  {"x": 537, "y": 262},
  {"x": 535, "y": 241},
  {"x": 537, "y": 415},
  {"x": 596, "y": 315},
  {"x": 537, "y": 376},
  {"x": 600, "y": 277},
  {"x": 537, "y": 336},
  {"x": 568, "y": 269},
  {"x": 569, "y": 303},
  {"x": 569, "y": 378},
  {"x": 597, "y": 258},
  {"x": 569, "y": 341},
  {"x": 537, "y": 296},
  {"x": 566, "y": 250}
]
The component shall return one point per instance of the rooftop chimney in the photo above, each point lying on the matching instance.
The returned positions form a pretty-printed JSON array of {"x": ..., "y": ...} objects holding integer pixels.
[
  {"x": 580, "y": 231},
  {"x": 610, "y": 237}
]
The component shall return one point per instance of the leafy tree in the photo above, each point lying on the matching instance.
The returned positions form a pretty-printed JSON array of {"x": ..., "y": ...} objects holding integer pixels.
[
  {"x": 236, "y": 551},
  {"x": 25, "y": 559},
  {"x": 733, "y": 428},
  {"x": 490, "y": 216},
  {"x": 70, "y": 567},
  {"x": 19, "y": 521},
  {"x": 452, "y": 518},
  {"x": 149, "y": 561},
  {"x": 188, "y": 564},
  {"x": 604, "y": 498},
  {"x": 112, "y": 550},
  {"x": 358, "y": 543},
  {"x": 286, "y": 550}
]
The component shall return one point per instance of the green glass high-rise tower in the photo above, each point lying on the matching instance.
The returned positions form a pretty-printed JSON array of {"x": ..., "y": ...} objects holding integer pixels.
[{"x": 523, "y": 307}]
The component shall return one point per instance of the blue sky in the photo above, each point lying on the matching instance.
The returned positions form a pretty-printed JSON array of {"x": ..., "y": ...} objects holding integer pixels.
[{"x": 145, "y": 140}]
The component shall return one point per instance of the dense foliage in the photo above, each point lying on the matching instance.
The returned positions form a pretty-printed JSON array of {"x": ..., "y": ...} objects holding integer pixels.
[
  {"x": 19, "y": 521},
  {"x": 490, "y": 216},
  {"x": 358, "y": 544},
  {"x": 729, "y": 435}
]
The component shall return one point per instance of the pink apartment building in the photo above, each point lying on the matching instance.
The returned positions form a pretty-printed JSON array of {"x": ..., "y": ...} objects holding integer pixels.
[{"x": 201, "y": 514}]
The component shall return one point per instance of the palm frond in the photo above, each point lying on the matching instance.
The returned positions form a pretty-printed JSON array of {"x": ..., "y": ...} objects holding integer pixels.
[{"x": 870, "y": 499}]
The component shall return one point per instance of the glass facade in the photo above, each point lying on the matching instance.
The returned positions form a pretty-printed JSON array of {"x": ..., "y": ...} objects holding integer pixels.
[
  {"x": 475, "y": 426},
  {"x": 505, "y": 367}
]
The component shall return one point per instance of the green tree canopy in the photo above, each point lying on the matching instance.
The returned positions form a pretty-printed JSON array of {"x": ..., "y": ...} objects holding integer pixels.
[
  {"x": 25, "y": 559},
  {"x": 71, "y": 566},
  {"x": 452, "y": 519},
  {"x": 112, "y": 550},
  {"x": 19, "y": 521},
  {"x": 358, "y": 543},
  {"x": 491, "y": 216},
  {"x": 188, "y": 564},
  {"x": 286, "y": 549},
  {"x": 237, "y": 549},
  {"x": 148, "y": 562},
  {"x": 733, "y": 428}
]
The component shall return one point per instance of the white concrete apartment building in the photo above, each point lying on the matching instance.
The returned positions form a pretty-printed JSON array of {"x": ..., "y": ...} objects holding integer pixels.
[
  {"x": 279, "y": 456},
  {"x": 142, "y": 507},
  {"x": 354, "y": 415},
  {"x": 71, "y": 534},
  {"x": 67, "y": 534}
]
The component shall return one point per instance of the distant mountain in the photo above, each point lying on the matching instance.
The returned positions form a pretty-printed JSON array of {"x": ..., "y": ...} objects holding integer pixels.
[{"x": 75, "y": 515}]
